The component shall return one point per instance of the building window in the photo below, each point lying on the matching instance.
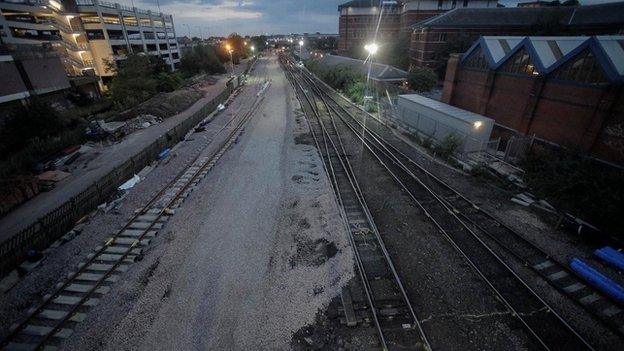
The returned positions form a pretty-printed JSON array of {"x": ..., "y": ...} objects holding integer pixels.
[
  {"x": 115, "y": 34},
  {"x": 25, "y": 33},
  {"x": 520, "y": 63},
  {"x": 163, "y": 46},
  {"x": 130, "y": 21},
  {"x": 134, "y": 35},
  {"x": 583, "y": 69},
  {"x": 175, "y": 55},
  {"x": 111, "y": 19},
  {"x": 90, "y": 18},
  {"x": 95, "y": 34},
  {"x": 476, "y": 60}
]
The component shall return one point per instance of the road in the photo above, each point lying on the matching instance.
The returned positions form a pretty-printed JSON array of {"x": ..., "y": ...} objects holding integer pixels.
[{"x": 249, "y": 258}]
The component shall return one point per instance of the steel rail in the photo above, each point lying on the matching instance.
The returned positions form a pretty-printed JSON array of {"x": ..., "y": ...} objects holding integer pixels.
[
  {"x": 522, "y": 249},
  {"x": 349, "y": 173},
  {"x": 144, "y": 210},
  {"x": 395, "y": 162}
]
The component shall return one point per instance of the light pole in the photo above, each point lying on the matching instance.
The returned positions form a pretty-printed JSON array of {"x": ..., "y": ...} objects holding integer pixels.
[
  {"x": 372, "y": 49},
  {"x": 253, "y": 50},
  {"x": 229, "y": 49},
  {"x": 300, "y": 50}
]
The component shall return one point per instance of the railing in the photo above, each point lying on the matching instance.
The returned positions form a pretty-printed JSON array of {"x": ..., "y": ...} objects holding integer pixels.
[{"x": 85, "y": 2}]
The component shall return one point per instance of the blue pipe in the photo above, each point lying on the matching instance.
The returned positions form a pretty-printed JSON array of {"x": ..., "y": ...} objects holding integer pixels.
[
  {"x": 611, "y": 256},
  {"x": 597, "y": 279}
]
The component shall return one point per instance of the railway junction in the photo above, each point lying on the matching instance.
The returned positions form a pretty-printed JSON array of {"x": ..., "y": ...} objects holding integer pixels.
[{"x": 293, "y": 219}]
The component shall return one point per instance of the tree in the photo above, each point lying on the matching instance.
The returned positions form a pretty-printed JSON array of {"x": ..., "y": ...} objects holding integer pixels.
[
  {"x": 422, "y": 79},
  {"x": 201, "y": 58},
  {"x": 396, "y": 52},
  {"x": 134, "y": 80}
]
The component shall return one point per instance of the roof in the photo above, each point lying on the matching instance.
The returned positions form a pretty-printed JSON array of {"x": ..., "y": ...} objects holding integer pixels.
[
  {"x": 379, "y": 71},
  {"x": 361, "y": 3},
  {"x": 447, "y": 109},
  {"x": 601, "y": 14},
  {"x": 548, "y": 53}
]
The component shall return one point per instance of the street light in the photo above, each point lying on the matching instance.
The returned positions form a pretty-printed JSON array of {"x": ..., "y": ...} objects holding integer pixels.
[
  {"x": 300, "y": 49},
  {"x": 371, "y": 48},
  {"x": 229, "y": 49}
]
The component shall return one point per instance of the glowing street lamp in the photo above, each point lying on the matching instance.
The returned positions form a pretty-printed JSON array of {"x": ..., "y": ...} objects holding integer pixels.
[
  {"x": 229, "y": 49},
  {"x": 300, "y": 49},
  {"x": 371, "y": 48}
]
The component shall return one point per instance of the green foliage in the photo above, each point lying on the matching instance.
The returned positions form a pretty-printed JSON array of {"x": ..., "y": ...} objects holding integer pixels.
[
  {"x": 34, "y": 132},
  {"x": 422, "y": 79},
  {"x": 168, "y": 82},
  {"x": 341, "y": 77},
  {"x": 579, "y": 185},
  {"x": 201, "y": 59},
  {"x": 448, "y": 146},
  {"x": 134, "y": 81}
]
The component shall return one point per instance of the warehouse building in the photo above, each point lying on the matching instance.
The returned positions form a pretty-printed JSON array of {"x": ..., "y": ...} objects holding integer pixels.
[
  {"x": 435, "y": 120},
  {"x": 562, "y": 90},
  {"x": 432, "y": 38}
]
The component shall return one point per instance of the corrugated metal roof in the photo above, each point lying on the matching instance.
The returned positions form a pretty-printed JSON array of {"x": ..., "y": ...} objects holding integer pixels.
[
  {"x": 379, "y": 71},
  {"x": 548, "y": 53},
  {"x": 447, "y": 109}
]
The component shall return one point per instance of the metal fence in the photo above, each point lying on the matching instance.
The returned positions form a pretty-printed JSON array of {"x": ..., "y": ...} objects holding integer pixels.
[{"x": 42, "y": 233}]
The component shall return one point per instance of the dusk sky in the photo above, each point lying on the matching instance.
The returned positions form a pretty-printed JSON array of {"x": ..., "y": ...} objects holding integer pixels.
[{"x": 222, "y": 17}]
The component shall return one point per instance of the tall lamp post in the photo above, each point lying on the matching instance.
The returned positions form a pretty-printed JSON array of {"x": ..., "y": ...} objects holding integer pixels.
[
  {"x": 229, "y": 49},
  {"x": 372, "y": 49},
  {"x": 300, "y": 50}
]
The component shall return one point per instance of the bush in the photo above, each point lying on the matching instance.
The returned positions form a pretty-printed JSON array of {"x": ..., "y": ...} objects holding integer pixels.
[
  {"x": 35, "y": 132},
  {"x": 201, "y": 59},
  {"x": 134, "y": 81},
  {"x": 422, "y": 79},
  {"x": 448, "y": 146},
  {"x": 168, "y": 82},
  {"x": 578, "y": 185}
]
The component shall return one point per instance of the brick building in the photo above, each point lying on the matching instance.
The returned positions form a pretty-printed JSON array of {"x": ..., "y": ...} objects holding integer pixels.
[
  {"x": 358, "y": 19},
  {"x": 432, "y": 38},
  {"x": 562, "y": 90},
  {"x": 358, "y": 22},
  {"x": 415, "y": 11}
]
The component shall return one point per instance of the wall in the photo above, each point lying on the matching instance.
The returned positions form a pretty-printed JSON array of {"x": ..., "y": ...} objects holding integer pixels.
[
  {"x": 12, "y": 86},
  {"x": 46, "y": 74},
  {"x": 563, "y": 113}
]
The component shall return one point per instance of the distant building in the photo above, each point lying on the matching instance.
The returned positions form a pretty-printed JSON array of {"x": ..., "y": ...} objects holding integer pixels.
[
  {"x": 88, "y": 33},
  {"x": 431, "y": 37},
  {"x": 415, "y": 11},
  {"x": 359, "y": 19},
  {"x": 358, "y": 22},
  {"x": 562, "y": 90},
  {"x": 534, "y": 4}
]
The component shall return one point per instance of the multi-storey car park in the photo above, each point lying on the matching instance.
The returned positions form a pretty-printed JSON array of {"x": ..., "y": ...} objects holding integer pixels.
[{"x": 88, "y": 33}]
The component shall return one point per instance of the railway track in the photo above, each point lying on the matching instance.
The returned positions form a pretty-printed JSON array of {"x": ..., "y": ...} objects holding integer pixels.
[
  {"x": 51, "y": 322},
  {"x": 548, "y": 328},
  {"x": 601, "y": 307},
  {"x": 390, "y": 311}
]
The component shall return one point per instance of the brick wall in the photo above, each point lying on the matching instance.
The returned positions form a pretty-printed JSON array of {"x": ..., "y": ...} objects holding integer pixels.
[{"x": 564, "y": 113}]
